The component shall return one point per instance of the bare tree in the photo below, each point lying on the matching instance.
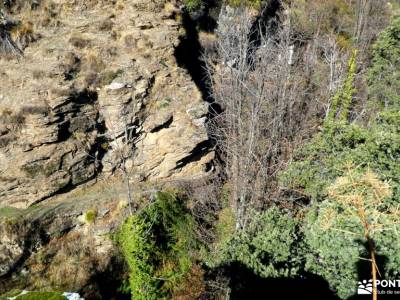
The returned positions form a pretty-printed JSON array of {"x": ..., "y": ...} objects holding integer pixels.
[
  {"x": 123, "y": 147},
  {"x": 336, "y": 62},
  {"x": 371, "y": 18},
  {"x": 119, "y": 140},
  {"x": 262, "y": 93}
]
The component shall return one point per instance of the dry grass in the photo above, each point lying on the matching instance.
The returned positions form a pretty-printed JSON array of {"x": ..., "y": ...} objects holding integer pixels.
[
  {"x": 70, "y": 65},
  {"x": 34, "y": 110},
  {"x": 129, "y": 41},
  {"x": 24, "y": 34},
  {"x": 92, "y": 62},
  {"x": 93, "y": 70},
  {"x": 8, "y": 48},
  {"x": 106, "y": 25},
  {"x": 64, "y": 257},
  {"x": 7, "y": 140},
  {"x": 12, "y": 120},
  {"x": 18, "y": 5},
  {"x": 37, "y": 74},
  {"x": 120, "y": 5},
  {"x": 78, "y": 41}
]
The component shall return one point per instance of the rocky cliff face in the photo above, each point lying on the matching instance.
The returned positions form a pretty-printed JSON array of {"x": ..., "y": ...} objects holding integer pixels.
[{"x": 97, "y": 78}]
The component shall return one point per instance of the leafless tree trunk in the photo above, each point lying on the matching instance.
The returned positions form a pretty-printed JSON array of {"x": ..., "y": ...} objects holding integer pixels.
[
  {"x": 336, "y": 61},
  {"x": 123, "y": 147},
  {"x": 262, "y": 98},
  {"x": 121, "y": 137},
  {"x": 371, "y": 18}
]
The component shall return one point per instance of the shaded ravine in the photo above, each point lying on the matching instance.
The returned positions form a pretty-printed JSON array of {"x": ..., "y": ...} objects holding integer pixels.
[{"x": 189, "y": 55}]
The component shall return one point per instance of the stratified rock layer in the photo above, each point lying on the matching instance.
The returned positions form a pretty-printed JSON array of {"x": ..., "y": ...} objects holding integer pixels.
[{"x": 99, "y": 70}]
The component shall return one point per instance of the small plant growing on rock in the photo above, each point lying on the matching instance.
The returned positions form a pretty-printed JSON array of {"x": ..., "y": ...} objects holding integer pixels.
[
  {"x": 192, "y": 5},
  {"x": 166, "y": 102},
  {"x": 90, "y": 216}
]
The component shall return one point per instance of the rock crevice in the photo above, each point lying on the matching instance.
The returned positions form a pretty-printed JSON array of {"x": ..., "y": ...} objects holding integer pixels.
[{"x": 66, "y": 106}]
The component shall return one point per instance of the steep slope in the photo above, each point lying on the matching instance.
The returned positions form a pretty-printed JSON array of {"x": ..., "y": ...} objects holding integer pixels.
[{"x": 91, "y": 72}]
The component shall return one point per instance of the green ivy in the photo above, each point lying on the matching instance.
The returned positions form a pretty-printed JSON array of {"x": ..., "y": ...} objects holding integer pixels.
[{"x": 341, "y": 102}]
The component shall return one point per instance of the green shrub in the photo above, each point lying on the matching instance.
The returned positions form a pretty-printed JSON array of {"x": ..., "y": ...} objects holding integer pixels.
[
  {"x": 338, "y": 231},
  {"x": 41, "y": 296},
  {"x": 319, "y": 163},
  {"x": 325, "y": 158},
  {"x": 339, "y": 146},
  {"x": 331, "y": 254},
  {"x": 266, "y": 245},
  {"x": 251, "y": 3},
  {"x": 158, "y": 244},
  {"x": 90, "y": 216},
  {"x": 384, "y": 75},
  {"x": 192, "y": 5},
  {"x": 341, "y": 102}
]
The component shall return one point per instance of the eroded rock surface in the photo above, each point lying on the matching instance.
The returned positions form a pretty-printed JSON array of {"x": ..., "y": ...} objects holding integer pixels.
[{"x": 91, "y": 70}]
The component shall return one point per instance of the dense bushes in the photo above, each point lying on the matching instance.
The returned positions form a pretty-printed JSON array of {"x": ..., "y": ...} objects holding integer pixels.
[
  {"x": 158, "y": 245},
  {"x": 266, "y": 246},
  {"x": 343, "y": 170},
  {"x": 193, "y": 5},
  {"x": 317, "y": 165},
  {"x": 384, "y": 76},
  {"x": 340, "y": 146},
  {"x": 332, "y": 254},
  {"x": 377, "y": 147},
  {"x": 354, "y": 224}
]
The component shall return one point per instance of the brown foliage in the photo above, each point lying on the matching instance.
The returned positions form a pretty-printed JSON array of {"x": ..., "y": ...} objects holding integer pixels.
[{"x": 193, "y": 285}]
